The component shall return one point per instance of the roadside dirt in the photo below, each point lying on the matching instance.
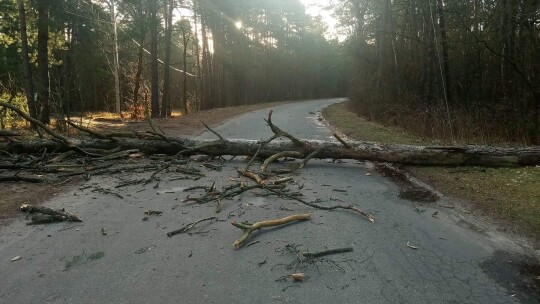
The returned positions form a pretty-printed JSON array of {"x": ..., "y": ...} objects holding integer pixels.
[{"x": 13, "y": 194}]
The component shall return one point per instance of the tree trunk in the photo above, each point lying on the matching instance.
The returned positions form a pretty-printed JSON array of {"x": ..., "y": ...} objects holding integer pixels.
[
  {"x": 138, "y": 75},
  {"x": 198, "y": 90},
  {"x": 116, "y": 68},
  {"x": 154, "y": 58},
  {"x": 207, "y": 73},
  {"x": 185, "y": 40},
  {"x": 28, "y": 81},
  {"x": 166, "y": 100},
  {"x": 43, "y": 60},
  {"x": 445, "y": 57},
  {"x": 365, "y": 151}
]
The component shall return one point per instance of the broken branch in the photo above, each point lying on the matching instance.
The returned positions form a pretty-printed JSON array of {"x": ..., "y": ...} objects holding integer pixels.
[
  {"x": 249, "y": 228},
  {"x": 189, "y": 226},
  {"x": 370, "y": 217},
  {"x": 319, "y": 254},
  {"x": 277, "y": 156},
  {"x": 58, "y": 215}
]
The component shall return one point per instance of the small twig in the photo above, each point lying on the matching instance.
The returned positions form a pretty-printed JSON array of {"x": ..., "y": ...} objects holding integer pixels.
[
  {"x": 211, "y": 130},
  {"x": 345, "y": 144},
  {"x": 253, "y": 243},
  {"x": 370, "y": 217},
  {"x": 87, "y": 130},
  {"x": 278, "y": 132},
  {"x": 189, "y": 226},
  {"x": 309, "y": 157},
  {"x": 253, "y": 158},
  {"x": 312, "y": 255},
  {"x": 153, "y": 212}
]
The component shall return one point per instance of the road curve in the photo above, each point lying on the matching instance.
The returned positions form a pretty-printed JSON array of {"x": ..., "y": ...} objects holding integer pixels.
[{"x": 413, "y": 253}]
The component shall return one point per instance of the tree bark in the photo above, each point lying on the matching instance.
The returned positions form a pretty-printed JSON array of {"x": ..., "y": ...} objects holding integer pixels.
[
  {"x": 140, "y": 57},
  {"x": 198, "y": 89},
  {"x": 28, "y": 81},
  {"x": 154, "y": 58},
  {"x": 166, "y": 100},
  {"x": 185, "y": 40},
  {"x": 116, "y": 68},
  {"x": 43, "y": 60},
  {"x": 364, "y": 151},
  {"x": 445, "y": 57}
]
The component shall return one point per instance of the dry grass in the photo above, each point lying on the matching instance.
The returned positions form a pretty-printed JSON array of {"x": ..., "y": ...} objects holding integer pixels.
[{"x": 512, "y": 194}]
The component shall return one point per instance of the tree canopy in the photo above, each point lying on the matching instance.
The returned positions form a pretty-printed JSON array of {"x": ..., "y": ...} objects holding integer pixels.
[{"x": 447, "y": 69}]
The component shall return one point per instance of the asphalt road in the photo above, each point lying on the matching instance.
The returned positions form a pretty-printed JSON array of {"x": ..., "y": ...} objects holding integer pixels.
[{"x": 455, "y": 261}]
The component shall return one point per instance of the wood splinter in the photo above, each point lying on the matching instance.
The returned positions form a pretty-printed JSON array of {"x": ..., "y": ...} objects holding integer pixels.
[{"x": 249, "y": 228}]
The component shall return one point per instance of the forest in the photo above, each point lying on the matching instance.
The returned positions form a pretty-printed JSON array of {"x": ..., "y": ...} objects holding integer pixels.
[{"x": 461, "y": 70}]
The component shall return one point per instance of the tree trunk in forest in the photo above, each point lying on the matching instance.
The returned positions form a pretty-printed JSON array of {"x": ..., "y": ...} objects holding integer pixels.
[
  {"x": 198, "y": 85},
  {"x": 185, "y": 41},
  {"x": 445, "y": 57},
  {"x": 116, "y": 61},
  {"x": 27, "y": 70},
  {"x": 43, "y": 60},
  {"x": 140, "y": 58},
  {"x": 429, "y": 69},
  {"x": 385, "y": 72},
  {"x": 166, "y": 100},
  {"x": 137, "y": 82},
  {"x": 154, "y": 59},
  {"x": 207, "y": 73}
]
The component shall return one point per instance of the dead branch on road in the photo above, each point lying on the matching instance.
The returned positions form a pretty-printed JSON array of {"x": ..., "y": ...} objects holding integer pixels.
[
  {"x": 48, "y": 215},
  {"x": 249, "y": 228},
  {"x": 189, "y": 226},
  {"x": 401, "y": 154},
  {"x": 369, "y": 216}
]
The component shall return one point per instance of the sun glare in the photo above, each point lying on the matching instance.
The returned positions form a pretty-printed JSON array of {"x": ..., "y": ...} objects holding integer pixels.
[
  {"x": 315, "y": 9},
  {"x": 238, "y": 24}
]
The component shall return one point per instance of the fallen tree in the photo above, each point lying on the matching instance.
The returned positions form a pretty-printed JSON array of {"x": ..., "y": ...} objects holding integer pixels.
[{"x": 154, "y": 143}]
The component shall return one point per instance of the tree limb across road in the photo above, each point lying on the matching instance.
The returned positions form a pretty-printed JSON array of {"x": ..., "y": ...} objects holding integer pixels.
[{"x": 358, "y": 150}]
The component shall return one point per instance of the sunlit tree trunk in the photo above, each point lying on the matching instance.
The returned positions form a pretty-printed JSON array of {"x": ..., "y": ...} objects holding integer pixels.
[
  {"x": 166, "y": 100},
  {"x": 154, "y": 59}
]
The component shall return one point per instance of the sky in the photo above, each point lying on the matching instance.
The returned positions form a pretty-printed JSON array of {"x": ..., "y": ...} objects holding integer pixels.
[{"x": 314, "y": 8}]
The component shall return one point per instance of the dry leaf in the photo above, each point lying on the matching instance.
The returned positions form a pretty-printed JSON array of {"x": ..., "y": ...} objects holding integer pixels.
[{"x": 298, "y": 277}]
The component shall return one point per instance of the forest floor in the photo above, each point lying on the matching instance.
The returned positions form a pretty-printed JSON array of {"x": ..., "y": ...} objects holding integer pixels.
[
  {"x": 510, "y": 195},
  {"x": 12, "y": 195}
]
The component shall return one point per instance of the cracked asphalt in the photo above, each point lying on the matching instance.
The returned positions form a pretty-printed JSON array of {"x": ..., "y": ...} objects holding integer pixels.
[{"x": 456, "y": 261}]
